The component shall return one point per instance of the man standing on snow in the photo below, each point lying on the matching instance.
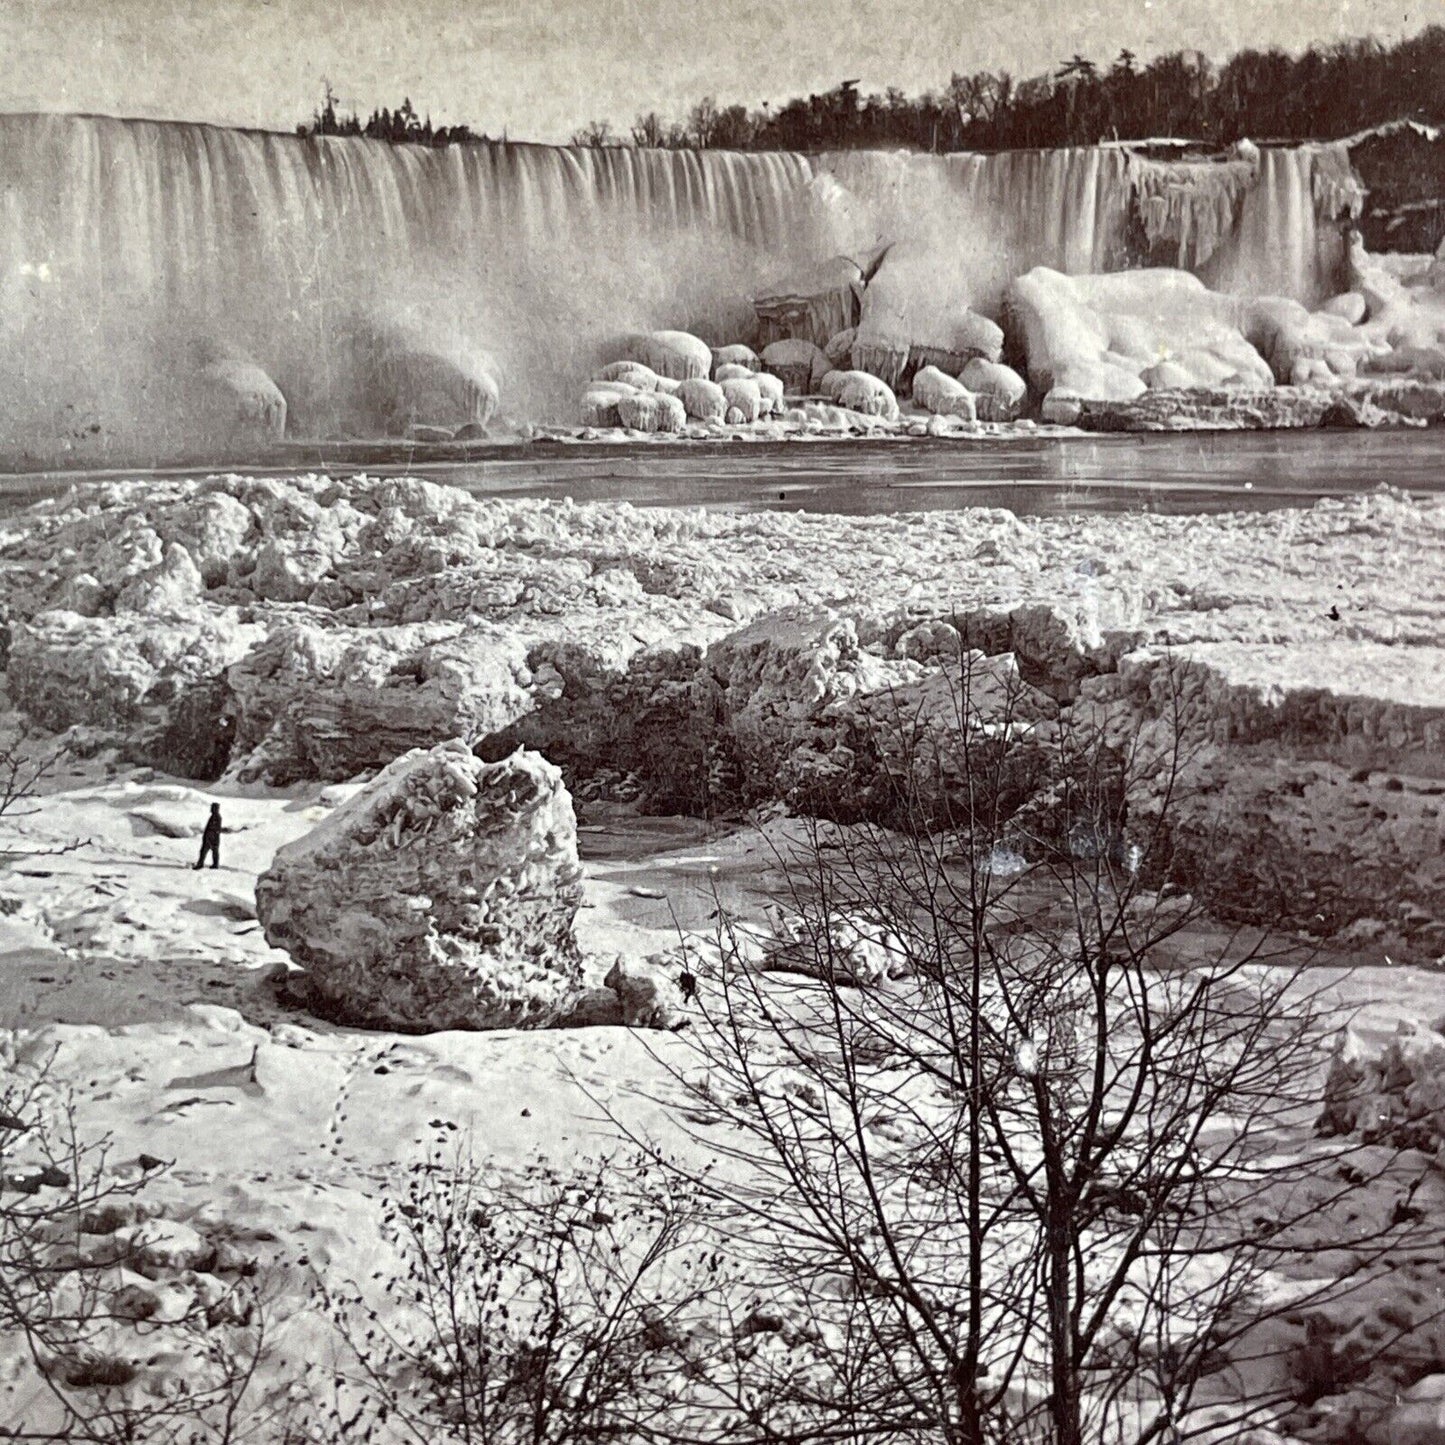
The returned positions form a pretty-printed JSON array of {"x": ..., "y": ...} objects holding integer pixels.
[{"x": 211, "y": 839}]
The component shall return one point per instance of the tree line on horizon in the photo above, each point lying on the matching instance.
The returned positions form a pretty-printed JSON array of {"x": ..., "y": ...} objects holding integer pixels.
[
  {"x": 1326, "y": 92},
  {"x": 402, "y": 126}
]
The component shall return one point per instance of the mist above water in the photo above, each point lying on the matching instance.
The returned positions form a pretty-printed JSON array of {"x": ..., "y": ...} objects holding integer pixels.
[{"x": 132, "y": 250}]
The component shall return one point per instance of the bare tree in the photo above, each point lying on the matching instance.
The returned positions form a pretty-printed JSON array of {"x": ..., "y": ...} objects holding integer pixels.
[
  {"x": 72, "y": 1234},
  {"x": 596, "y": 134},
  {"x": 562, "y": 1306},
  {"x": 1023, "y": 1144}
]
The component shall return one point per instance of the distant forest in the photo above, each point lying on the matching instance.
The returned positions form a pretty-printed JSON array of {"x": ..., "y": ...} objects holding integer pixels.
[{"x": 1326, "y": 92}]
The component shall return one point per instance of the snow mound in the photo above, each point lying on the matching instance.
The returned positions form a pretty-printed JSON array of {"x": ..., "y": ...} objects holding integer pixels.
[
  {"x": 412, "y": 376},
  {"x": 599, "y": 403},
  {"x": 441, "y": 897},
  {"x": 231, "y": 398},
  {"x": 999, "y": 392},
  {"x": 743, "y": 397},
  {"x": 633, "y": 373},
  {"x": 860, "y": 392}
]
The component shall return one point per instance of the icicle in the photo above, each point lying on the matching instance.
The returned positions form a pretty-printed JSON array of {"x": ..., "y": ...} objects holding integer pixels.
[{"x": 1189, "y": 204}]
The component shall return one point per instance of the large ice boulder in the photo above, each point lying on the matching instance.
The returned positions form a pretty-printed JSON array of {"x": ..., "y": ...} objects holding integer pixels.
[
  {"x": 916, "y": 313},
  {"x": 630, "y": 373},
  {"x": 1394, "y": 1093},
  {"x": 330, "y": 702},
  {"x": 744, "y": 398},
  {"x": 599, "y": 402},
  {"x": 813, "y": 305},
  {"x": 440, "y": 897},
  {"x": 152, "y": 681},
  {"x": 1095, "y": 337},
  {"x": 1304, "y": 347},
  {"x": 769, "y": 681},
  {"x": 799, "y": 364},
  {"x": 675, "y": 354},
  {"x": 770, "y": 388}
]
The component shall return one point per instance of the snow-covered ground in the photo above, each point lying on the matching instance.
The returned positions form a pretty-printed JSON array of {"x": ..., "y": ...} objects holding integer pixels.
[
  {"x": 146, "y": 980},
  {"x": 340, "y": 625}
]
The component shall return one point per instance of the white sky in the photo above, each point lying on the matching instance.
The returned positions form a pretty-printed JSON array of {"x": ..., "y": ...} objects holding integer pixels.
[{"x": 541, "y": 70}]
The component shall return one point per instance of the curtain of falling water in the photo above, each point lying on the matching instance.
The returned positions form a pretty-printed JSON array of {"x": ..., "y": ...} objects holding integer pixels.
[{"x": 125, "y": 243}]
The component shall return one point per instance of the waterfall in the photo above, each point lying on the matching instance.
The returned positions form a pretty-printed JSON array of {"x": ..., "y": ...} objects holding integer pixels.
[
  {"x": 125, "y": 244},
  {"x": 1281, "y": 246}
]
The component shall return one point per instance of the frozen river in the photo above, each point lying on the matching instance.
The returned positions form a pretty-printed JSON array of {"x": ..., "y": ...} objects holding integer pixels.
[{"x": 1192, "y": 472}]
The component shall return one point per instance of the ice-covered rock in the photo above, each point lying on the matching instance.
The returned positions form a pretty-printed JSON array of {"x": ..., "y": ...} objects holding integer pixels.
[
  {"x": 600, "y": 401},
  {"x": 229, "y": 398},
  {"x": 175, "y": 584},
  {"x": 1394, "y": 1093},
  {"x": 633, "y": 374},
  {"x": 703, "y": 400},
  {"x": 129, "y": 675},
  {"x": 774, "y": 674},
  {"x": 414, "y": 373},
  {"x": 1094, "y": 337},
  {"x": 770, "y": 388},
  {"x": 842, "y": 948},
  {"x": 916, "y": 313},
  {"x": 937, "y": 392},
  {"x": 1000, "y": 393},
  {"x": 652, "y": 411},
  {"x": 734, "y": 355},
  {"x": 799, "y": 364},
  {"x": 675, "y": 354},
  {"x": 440, "y": 897},
  {"x": 1303, "y": 347},
  {"x": 743, "y": 397},
  {"x": 647, "y": 995},
  {"x": 858, "y": 391},
  {"x": 839, "y": 349},
  {"x": 330, "y": 703},
  {"x": 1349, "y": 305}
]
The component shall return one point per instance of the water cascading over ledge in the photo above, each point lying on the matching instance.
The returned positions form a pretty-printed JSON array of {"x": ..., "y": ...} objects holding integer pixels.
[{"x": 139, "y": 256}]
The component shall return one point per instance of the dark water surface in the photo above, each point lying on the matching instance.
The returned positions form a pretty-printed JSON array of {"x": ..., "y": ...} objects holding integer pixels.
[{"x": 1189, "y": 472}]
